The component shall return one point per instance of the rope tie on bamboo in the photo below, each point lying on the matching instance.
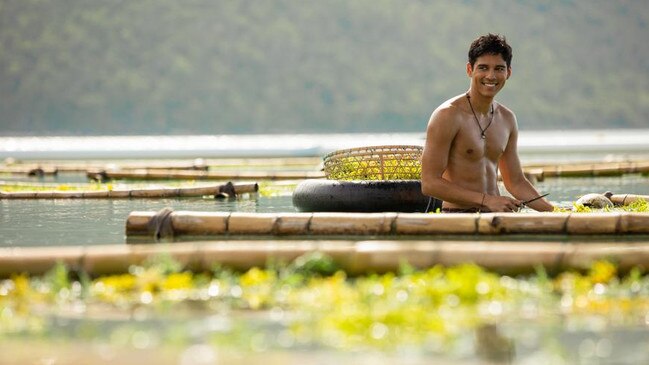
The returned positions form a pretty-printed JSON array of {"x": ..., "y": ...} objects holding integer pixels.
[
  {"x": 160, "y": 225},
  {"x": 100, "y": 176},
  {"x": 36, "y": 172},
  {"x": 308, "y": 224},
  {"x": 393, "y": 223},
  {"x": 226, "y": 191},
  {"x": 564, "y": 227}
]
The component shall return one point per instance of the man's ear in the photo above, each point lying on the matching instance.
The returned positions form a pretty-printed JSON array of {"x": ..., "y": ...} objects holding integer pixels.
[
  {"x": 509, "y": 72},
  {"x": 469, "y": 69}
]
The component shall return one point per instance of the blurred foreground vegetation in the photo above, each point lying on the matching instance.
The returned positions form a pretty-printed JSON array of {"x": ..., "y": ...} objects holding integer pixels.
[{"x": 309, "y": 303}]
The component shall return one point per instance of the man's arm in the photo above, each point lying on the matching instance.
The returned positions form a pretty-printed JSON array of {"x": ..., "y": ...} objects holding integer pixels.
[{"x": 514, "y": 178}]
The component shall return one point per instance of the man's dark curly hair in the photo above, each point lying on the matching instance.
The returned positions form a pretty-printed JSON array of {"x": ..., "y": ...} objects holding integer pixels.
[{"x": 490, "y": 44}]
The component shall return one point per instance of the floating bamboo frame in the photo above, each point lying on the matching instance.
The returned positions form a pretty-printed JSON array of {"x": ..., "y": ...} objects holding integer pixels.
[
  {"x": 354, "y": 257},
  {"x": 622, "y": 199},
  {"x": 85, "y": 167},
  {"x": 132, "y": 193},
  {"x": 590, "y": 169},
  {"x": 533, "y": 171},
  {"x": 29, "y": 170},
  {"x": 155, "y": 174},
  {"x": 304, "y": 224},
  {"x": 196, "y": 164}
]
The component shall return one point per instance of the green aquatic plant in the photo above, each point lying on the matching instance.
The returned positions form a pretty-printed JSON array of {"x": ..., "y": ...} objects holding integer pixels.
[
  {"x": 313, "y": 264},
  {"x": 276, "y": 188},
  {"x": 637, "y": 206},
  {"x": 388, "y": 167},
  {"x": 57, "y": 278},
  {"x": 429, "y": 307},
  {"x": 18, "y": 187}
]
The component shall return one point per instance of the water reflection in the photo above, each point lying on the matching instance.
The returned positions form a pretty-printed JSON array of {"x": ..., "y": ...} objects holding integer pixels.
[
  {"x": 564, "y": 191},
  {"x": 491, "y": 345},
  {"x": 63, "y": 222},
  {"x": 238, "y": 338},
  {"x": 102, "y": 221}
]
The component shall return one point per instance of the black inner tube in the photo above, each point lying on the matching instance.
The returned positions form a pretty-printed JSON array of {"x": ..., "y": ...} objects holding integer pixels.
[{"x": 362, "y": 196}]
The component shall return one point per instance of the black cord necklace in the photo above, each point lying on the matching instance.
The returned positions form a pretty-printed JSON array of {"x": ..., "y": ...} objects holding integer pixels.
[{"x": 482, "y": 131}]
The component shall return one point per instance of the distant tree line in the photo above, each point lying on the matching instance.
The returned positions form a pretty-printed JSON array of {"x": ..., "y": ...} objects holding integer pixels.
[{"x": 242, "y": 66}]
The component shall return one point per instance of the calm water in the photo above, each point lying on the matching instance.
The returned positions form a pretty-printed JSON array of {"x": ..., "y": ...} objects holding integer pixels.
[
  {"x": 96, "y": 222},
  {"x": 101, "y": 221},
  {"x": 561, "y": 145},
  {"x": 66, "y": 222}
]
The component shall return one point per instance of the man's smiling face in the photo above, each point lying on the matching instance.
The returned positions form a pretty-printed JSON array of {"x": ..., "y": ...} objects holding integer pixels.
[{"x": 488, "y": 74}]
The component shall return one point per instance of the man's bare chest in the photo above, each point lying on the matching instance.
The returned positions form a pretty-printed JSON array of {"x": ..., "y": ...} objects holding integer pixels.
[{"x": 469, "y": 145}]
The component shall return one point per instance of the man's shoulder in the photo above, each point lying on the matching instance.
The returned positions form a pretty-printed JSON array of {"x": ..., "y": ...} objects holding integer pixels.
[
  {"x": 449, "y": 107},
  {"x": 505, "y": 113},
  {"x": 503, "y": 109}
]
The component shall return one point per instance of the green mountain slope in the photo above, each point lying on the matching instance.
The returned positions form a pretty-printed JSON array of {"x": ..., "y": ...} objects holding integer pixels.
[{"x": 237, "y": 66}]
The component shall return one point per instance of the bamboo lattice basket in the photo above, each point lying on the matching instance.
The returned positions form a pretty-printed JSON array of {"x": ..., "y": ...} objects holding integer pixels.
[{"x": 398, "y": 162}]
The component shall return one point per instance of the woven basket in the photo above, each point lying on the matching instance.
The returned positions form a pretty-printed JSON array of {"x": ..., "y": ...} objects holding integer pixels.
[{"x": 374, "y": 163}]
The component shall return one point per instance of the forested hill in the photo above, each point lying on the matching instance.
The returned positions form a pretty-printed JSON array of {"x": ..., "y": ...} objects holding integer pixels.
[{"x": 238, "y": 66}]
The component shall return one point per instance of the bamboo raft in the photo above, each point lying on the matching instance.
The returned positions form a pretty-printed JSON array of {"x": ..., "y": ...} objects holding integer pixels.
[
  {"x": 148, "y": 174},
  {"x": 196, "y": 164},
  {"x": 37, "y": 171},
  {"x": 354, "y": 257},
  {"x": 587, "y": 170},
  {"x": 133, "y": 193},
  {"x": 382, "y": 224},
  {"x": 198, "y": 169}
]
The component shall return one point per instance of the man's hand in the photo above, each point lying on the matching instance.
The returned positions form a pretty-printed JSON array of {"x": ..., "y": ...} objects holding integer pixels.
[{"x": 495, "y": 203}]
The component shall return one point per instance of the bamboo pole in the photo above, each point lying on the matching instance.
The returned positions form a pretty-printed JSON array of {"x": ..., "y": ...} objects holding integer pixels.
[
  {"x": 594, "y": 223},
  {"x": 530, "y": 223},
  {"x": 590, "y": 169},
  {"x": 29, "y": 170},
  {"x": 351, "y": 223},
  {"x": 623, "y": 199},
  {"x": 269, "y": 161},
  {"x": 422, "y": 223},
  {"x": 292, "y": 223},
  {"x": 634, "y": 223},
  {"x": 354, "y": 257},
  {"x": 251, "y": 223},
  {"x": 533, "y": 171},
  {"x": 145, "y": 174},
  {"x": 132, "y": 193},
  {"x": 614, "y": 223},
  {"x": 180, "y": 164},
  {"x": 85, "y": 167}
]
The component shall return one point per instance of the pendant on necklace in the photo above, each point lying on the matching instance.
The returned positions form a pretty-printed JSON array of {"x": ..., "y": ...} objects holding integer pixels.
[{"x": 483, "y": 136}]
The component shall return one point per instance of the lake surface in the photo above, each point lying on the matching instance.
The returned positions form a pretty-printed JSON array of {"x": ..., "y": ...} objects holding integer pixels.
[
  {"x": 554, "y": 339},
  {"x": 98, "y": 221},
  {"x": 561, "y": 145},
  {"x": 66, "y": 222}
]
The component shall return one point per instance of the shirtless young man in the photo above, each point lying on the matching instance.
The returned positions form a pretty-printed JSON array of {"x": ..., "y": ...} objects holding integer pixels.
[{"x": 471, "y": 136}]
